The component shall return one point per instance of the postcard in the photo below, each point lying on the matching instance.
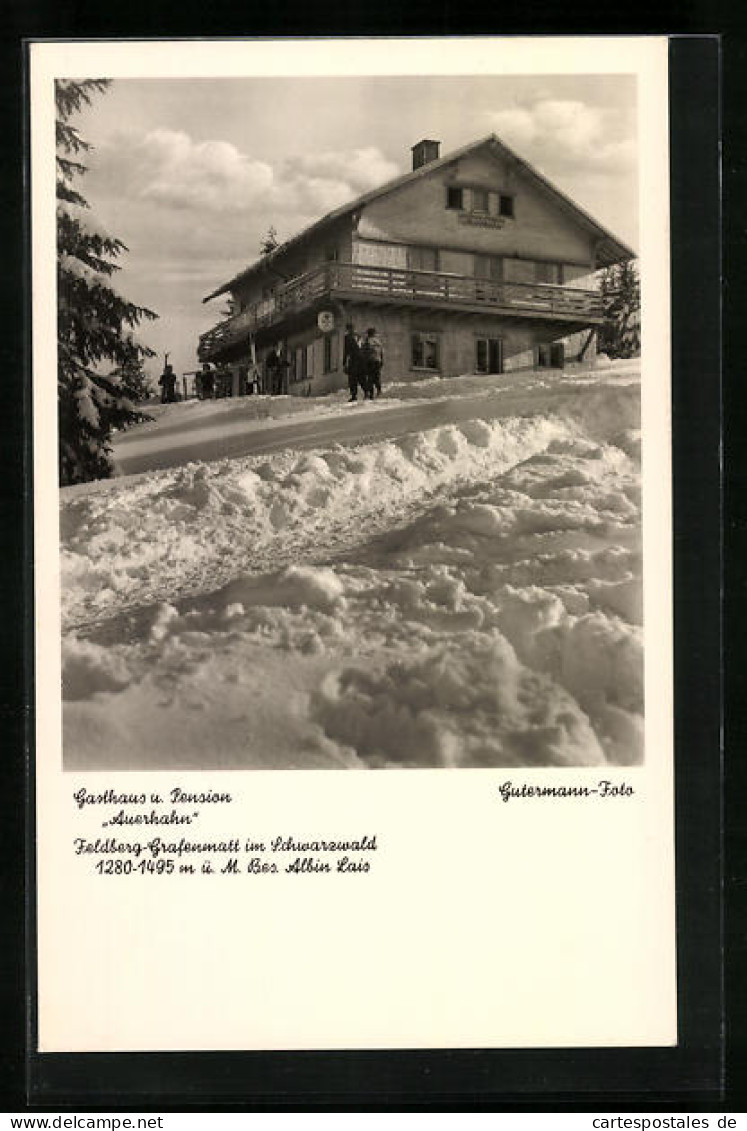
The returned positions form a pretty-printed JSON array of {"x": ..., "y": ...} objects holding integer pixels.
[{"x": 353, "y": 544}]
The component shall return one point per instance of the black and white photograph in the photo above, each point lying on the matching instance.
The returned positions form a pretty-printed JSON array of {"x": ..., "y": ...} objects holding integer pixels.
[
  {"x": 349, "y": 376},
  {"x": 353, "y": 453}
]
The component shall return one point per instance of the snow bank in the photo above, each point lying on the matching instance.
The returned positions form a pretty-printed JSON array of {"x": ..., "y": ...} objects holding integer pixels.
[
  {"x": 464, "y": 596},
  {"x": 456, "y": 708},
  {"x": 199, "y": 526}
]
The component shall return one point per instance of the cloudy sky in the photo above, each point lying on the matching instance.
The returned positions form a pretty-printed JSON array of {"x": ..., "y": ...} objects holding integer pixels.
[{"x": 191, "y": 173}]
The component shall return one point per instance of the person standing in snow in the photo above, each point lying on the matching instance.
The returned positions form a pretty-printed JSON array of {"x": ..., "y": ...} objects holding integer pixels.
[
  {"x": 167, "y": 381},
  {"x": 352, "y": 361},
  {"x": 373, "y": 360},
  {"x": 204, "y": 381}
]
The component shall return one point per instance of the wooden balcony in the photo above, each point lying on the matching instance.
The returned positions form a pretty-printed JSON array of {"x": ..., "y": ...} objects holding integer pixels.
[{"x": 393, "y": 285}]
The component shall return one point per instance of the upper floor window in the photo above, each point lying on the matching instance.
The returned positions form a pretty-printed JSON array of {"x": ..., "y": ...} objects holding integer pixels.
[
  {"x": 331, "y": 253},
  {"x": 479, "y": 200},
  {"x": 422, "y": 258},
  {"x": 548, "y": 272},
  {"x": 454, "y": 198},
  {"x": 488, "y": 267}
]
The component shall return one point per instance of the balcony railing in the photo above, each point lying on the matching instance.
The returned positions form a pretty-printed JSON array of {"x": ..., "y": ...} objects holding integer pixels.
[{"x": 399, "y": 284}]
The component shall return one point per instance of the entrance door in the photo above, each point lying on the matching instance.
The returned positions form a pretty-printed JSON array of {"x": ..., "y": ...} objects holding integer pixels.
[
  {"x": 495, "y": 355},
  {"x": 489, "y": 355}
]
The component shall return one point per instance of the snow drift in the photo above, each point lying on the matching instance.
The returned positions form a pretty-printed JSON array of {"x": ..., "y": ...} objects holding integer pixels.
[{"x": 461, "y": 596}]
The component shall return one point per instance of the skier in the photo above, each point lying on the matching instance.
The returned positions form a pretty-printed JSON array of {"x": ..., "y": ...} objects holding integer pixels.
[
  {"x": 352, "y": 361},
  {"x": 167, "y": 381},
  {"x": 373, "y": 359}
]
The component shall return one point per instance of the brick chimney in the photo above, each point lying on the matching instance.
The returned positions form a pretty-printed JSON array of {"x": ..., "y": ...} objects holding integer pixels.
[{"x": 425, "y": 152}]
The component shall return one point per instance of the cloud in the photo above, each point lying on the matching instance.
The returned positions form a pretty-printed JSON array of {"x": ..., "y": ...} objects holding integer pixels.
[
  {"x": 567, "y": 134},
  {"x": 192, "y": 214},
  {"x": 358, "y": 169},
  {"x": 171, "y": 170}
]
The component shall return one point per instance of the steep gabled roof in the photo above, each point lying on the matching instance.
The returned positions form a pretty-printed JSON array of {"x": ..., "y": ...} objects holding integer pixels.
[{"x": 609, "y": 250}]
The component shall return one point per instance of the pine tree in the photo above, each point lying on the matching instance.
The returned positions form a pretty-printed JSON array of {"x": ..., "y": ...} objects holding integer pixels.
[
  {"x": 94, "y": 322},
  {"x": 270, "y": 241},
  {"x": 132, "y": 379},
  {"x": 620, "y": 336}
]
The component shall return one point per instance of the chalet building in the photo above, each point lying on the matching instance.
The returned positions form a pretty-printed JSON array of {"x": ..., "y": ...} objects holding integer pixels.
[{"x": 470, "y": 263}]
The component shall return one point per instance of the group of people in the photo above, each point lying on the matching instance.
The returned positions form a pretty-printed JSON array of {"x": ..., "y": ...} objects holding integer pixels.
[
  {"x": 362, "y": 361},
  {"x": 363, "y": 358},
  {"x": 212, "y": 384}
]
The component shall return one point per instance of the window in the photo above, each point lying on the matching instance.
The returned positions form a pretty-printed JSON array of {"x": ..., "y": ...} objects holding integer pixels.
[
  {"x": 506, "y": 206},
  {"x": 425, "y": 350},
  {"x": 489, "y": 355},
  {"x": 329, "y": 352},
  {"x": 489, "y": 267},
  {"x": 551, "y": 355},
  {"x": 331, "y": 254},
  {"x": 479, "y": 200},
  {"x": 422, "y": 258},
  {"x": 454, "y": 198},
  {"x": 548, "y": 273}
]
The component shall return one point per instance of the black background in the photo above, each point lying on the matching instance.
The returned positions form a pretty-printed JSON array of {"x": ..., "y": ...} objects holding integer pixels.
[{"x": 692, "y": 1077}]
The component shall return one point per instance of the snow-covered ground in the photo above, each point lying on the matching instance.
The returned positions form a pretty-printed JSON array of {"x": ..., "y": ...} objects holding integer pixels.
[{"x": 450, "y": 576}]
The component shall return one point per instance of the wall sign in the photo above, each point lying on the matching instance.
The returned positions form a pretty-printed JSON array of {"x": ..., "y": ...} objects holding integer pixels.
[{"x": 481, "y": 221}]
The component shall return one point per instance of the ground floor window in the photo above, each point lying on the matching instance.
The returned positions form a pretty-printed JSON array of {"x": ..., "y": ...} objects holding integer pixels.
[
  {"x": 425, "y": 350},
  {"x": 551, "y": 356},
  {"x": 489, "y": 355}
]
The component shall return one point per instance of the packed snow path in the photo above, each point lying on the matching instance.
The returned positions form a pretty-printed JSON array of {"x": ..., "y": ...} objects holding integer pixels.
[
  {"x": 211, "y": 431},
  {"x": 460, "y": 588}
]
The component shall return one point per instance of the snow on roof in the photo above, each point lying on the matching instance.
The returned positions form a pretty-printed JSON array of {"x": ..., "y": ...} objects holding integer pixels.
[{"x": 610, "y": 249}]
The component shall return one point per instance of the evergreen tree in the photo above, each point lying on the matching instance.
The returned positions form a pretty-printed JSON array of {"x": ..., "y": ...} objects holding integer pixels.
[
  {"x": 132, "y": 379},
  {"x": 620, "y": 336},
  {"x": 94, "y": 322},
  {"x": 270, "y": 241}
]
